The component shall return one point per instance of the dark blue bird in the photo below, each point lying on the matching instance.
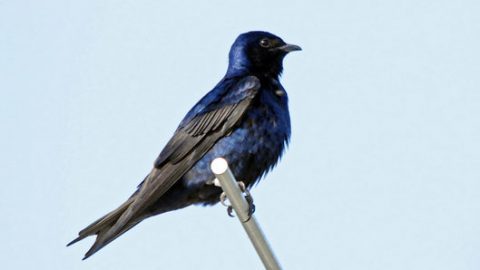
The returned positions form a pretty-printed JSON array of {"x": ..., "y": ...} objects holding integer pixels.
[{"x": 244, "y": 119}]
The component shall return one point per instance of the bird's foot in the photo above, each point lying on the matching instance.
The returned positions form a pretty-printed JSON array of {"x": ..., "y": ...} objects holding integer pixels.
[{"x": 248, "y": 198}]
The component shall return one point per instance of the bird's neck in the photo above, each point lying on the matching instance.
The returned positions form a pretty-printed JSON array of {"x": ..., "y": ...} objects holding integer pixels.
[
  {"x": 260, "y": 74},
  {"x": 239, "y": 65}
]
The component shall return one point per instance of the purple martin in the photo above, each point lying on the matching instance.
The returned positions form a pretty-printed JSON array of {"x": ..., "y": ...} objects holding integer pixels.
[{"x": 244, "y": 119}]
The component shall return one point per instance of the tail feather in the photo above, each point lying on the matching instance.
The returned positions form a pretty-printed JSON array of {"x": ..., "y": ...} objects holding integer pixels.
[
  {"x": 106, "y": 220},
  {"x": 102, "y": 226},
  {"x": 104, "y": 238}
]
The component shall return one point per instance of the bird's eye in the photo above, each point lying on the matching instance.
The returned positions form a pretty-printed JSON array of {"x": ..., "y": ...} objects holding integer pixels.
[{"x": 265, "y": 43}]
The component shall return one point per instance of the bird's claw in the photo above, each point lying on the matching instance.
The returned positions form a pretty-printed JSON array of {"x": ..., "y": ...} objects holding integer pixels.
[
  {"x": 248, "y": 198},
  {"x": 230, "y": 211},
  {"x": 223, "y": 201},
  {"x": 251, "y": 205},
  {"x": 242, "y": 187}
]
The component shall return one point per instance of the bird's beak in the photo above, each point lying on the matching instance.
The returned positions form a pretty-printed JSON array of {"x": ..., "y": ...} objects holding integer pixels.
[{"x": 289, "y": 48}]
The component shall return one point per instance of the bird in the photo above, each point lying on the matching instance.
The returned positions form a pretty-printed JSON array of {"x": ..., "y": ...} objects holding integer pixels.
[{"x": 244, "y": 119}]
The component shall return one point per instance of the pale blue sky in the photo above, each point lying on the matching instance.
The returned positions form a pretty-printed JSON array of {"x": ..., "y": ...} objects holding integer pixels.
[{"x": 383, "y": 169}]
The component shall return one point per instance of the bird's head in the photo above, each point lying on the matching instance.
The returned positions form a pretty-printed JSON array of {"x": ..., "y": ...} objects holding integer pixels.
[{"x": 259, "y": 53}]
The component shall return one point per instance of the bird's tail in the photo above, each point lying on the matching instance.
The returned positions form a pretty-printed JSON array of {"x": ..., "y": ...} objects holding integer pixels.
[{"x": 102, "y": 226}]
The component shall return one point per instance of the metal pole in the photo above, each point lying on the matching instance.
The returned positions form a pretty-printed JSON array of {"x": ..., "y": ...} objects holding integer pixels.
[{"x": 229, "y": 185}]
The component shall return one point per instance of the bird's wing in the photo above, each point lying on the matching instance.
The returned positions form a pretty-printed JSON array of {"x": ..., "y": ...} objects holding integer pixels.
[
  {"x": 192, "y": 140},
  {"x": 194, "y": 132},
  {"x": 189, "y": 143},
  {"x": 213, "y": 118}
]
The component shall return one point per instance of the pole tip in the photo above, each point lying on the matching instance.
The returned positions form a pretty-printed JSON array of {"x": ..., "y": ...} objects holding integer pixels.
[{"x": 219, "y": 166}]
